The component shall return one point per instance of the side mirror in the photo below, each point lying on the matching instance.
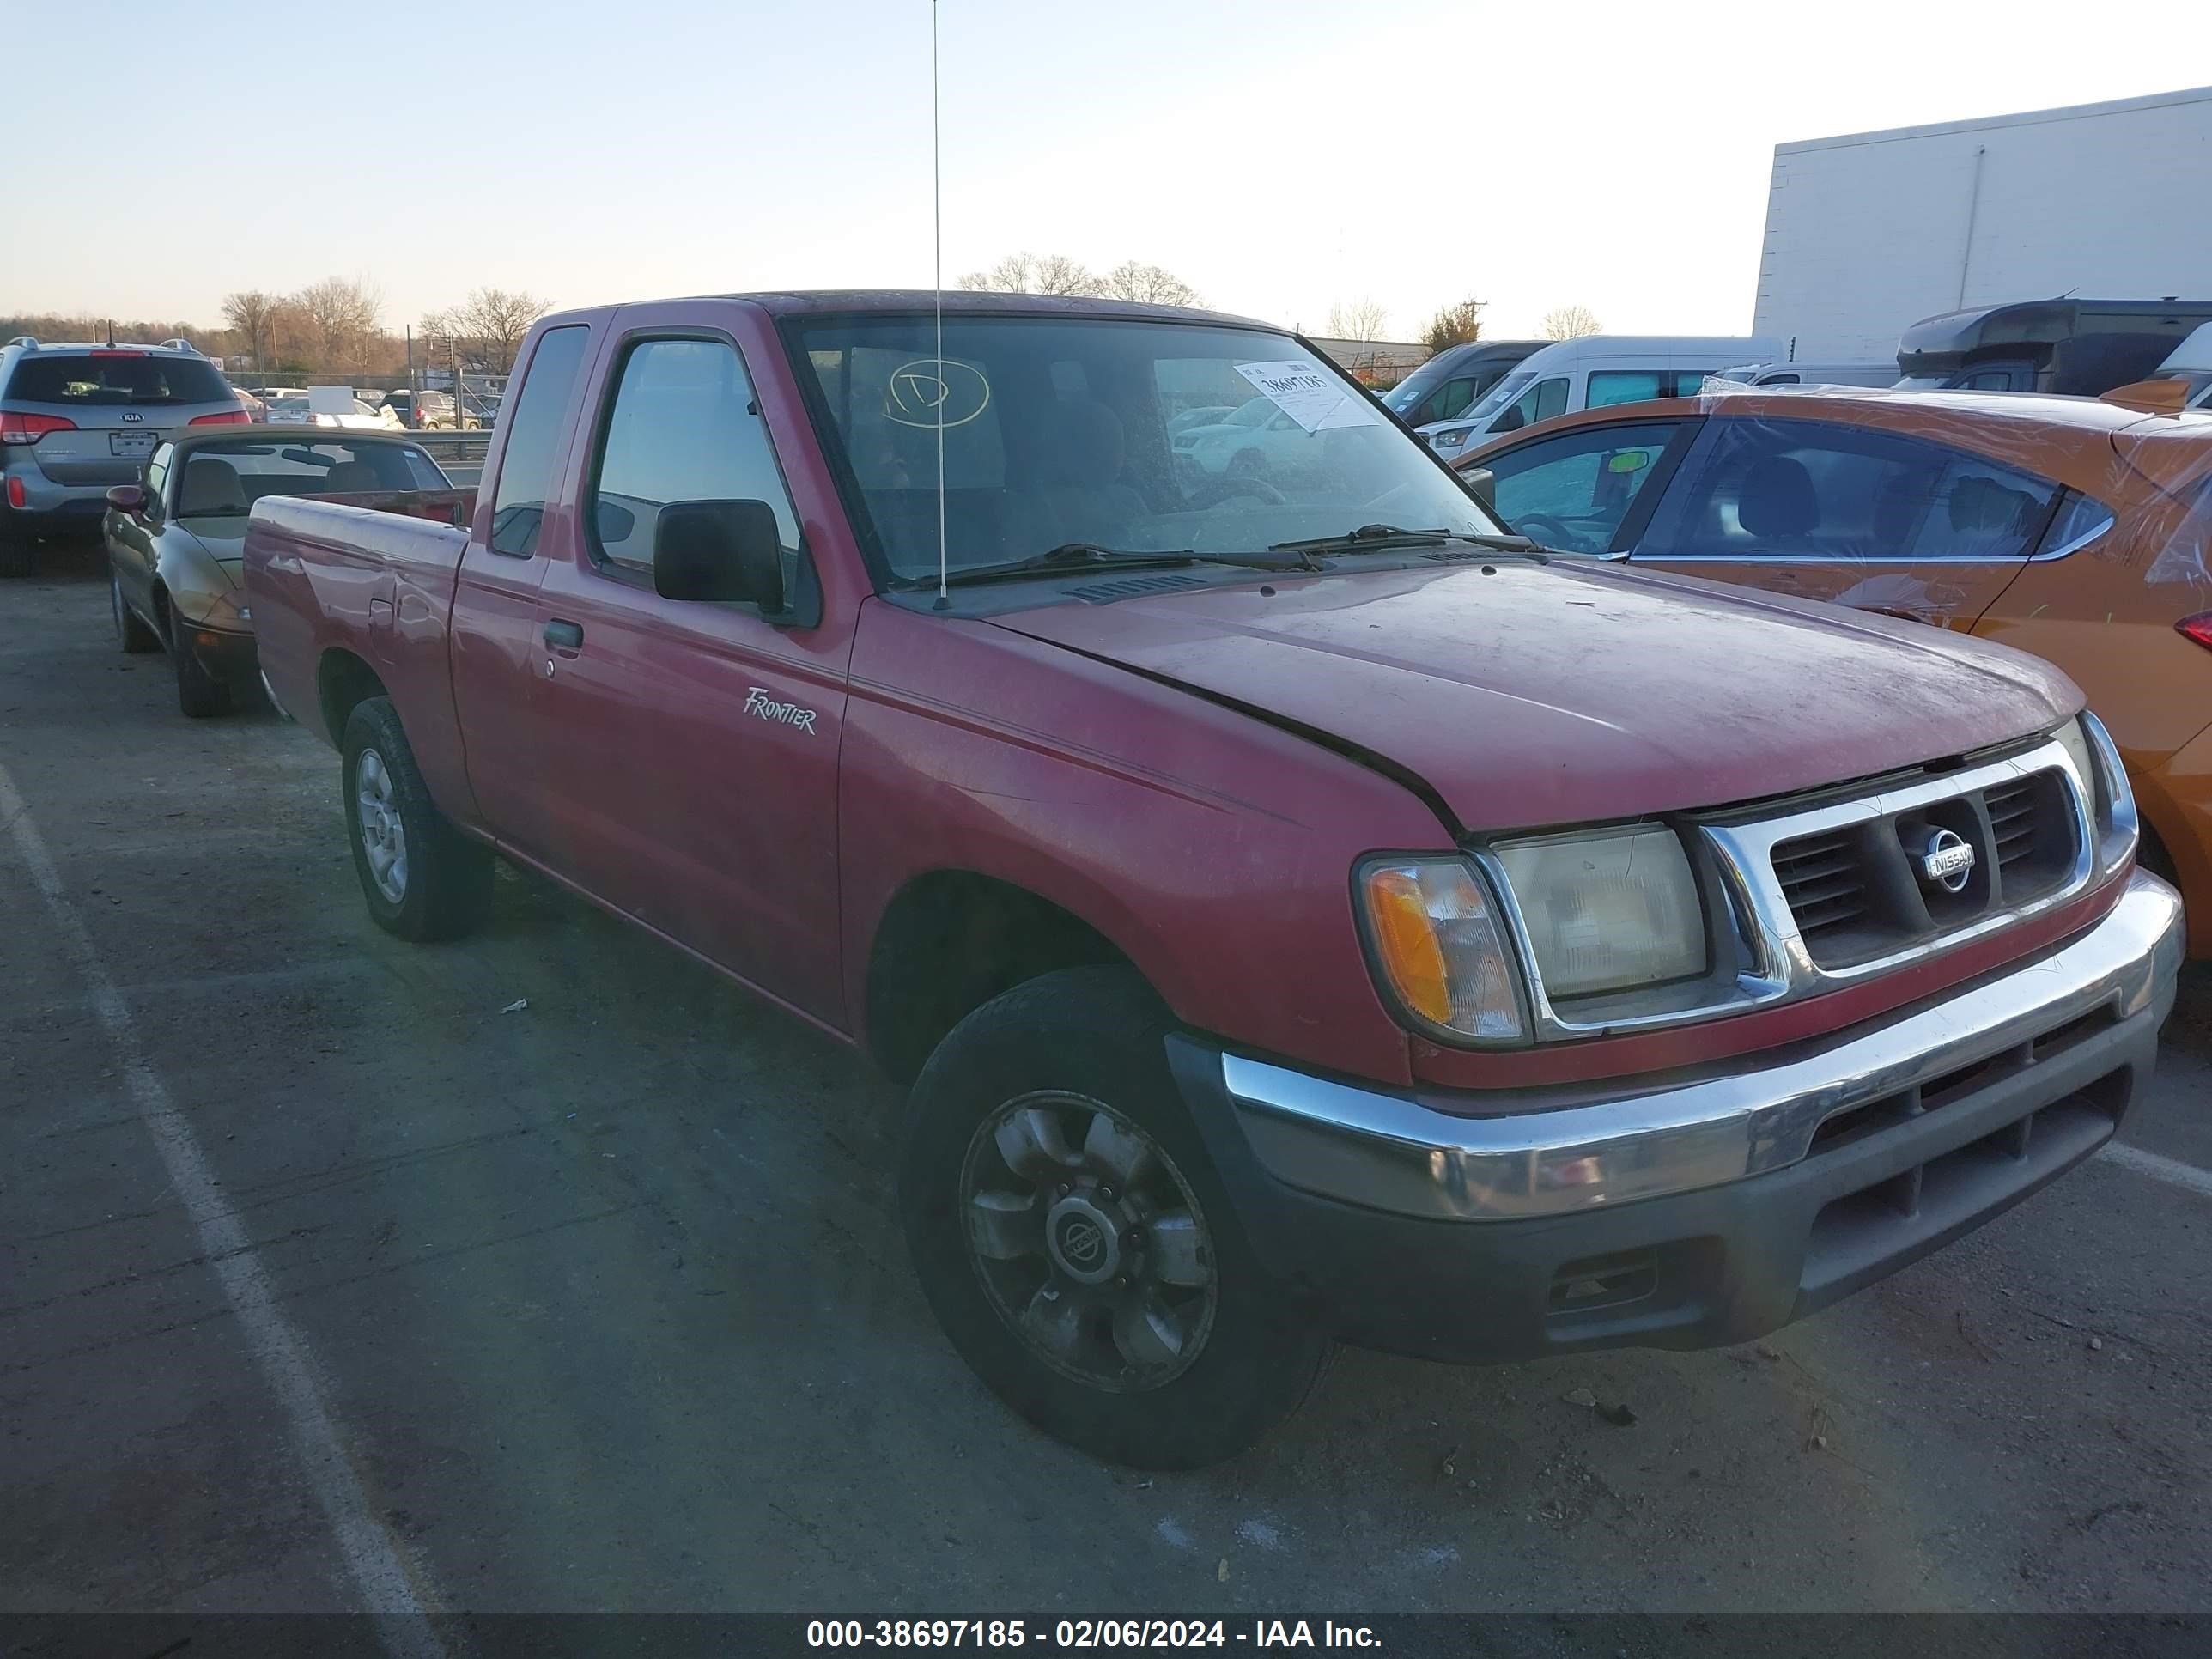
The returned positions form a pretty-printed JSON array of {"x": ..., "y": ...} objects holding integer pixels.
[
  {"x": 127, "y": 498},
  {"x": 728, "y": 550},
  {"x": 1482, "y": 483}
]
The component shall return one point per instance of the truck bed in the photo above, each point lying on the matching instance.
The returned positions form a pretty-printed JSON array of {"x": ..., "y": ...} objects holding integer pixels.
[{"x": 365, "y": 579}]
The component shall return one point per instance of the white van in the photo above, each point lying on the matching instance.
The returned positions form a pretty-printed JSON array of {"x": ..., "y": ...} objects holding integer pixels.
[
  {"x": 1875, "y": 374},
  {"x": 1591, "y": 372}
]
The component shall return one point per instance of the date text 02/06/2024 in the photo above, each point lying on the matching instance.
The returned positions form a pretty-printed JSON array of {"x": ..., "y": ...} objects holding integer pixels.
[{"x": 1084, "y": 1633}]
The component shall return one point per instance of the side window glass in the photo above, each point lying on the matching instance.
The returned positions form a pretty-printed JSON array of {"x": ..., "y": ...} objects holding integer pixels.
[
  {"x": 2080, "y": 520},
  {"x": 1623, "y": 386},
  {"x": 1453, "y": 399},
  {"x": 536, "y": 418},
  {"x": 1979, "y": 510},
  {"x": 683, "y": 429},
  {"x": 1573, "y": 491},
  {"x": 1809, "y": 490},
  {"x": 1551, "y": 399},
  {"x": 157, "y": 474}
]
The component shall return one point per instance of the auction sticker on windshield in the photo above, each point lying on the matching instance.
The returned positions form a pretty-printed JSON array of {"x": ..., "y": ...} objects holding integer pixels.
[{"x": 1309, "y": 397}]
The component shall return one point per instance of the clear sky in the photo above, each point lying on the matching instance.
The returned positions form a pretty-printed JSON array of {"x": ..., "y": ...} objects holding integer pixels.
[{"x": 1280, "y": 155}]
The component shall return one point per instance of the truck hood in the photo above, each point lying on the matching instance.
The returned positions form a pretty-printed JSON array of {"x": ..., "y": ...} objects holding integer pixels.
[{"x": 1577, "y": 691}]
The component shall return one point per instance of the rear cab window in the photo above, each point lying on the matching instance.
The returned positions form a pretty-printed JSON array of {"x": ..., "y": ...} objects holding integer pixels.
[
  {"x": 533, "y": 439},
  {"x": 229, "y": 477}
]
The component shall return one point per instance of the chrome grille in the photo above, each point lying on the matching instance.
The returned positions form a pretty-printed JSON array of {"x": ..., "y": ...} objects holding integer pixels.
[
  {"x": 2012, "y": 820},
  {"x": 1805, "y": 895},
  {"x": 1823, "y": 878},
  {"x": 1856, "y": 892}
]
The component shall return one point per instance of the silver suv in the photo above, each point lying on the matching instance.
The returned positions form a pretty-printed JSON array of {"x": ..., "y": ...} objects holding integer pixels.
[{"x": 76, "y": 419}]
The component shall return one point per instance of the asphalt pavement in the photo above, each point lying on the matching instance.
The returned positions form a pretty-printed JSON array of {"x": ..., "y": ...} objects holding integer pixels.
[{"x": 545, "y": 1271}]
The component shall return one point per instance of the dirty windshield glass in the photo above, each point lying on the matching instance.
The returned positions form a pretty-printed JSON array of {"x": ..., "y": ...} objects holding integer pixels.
[{"x": 1067, "y": 431}]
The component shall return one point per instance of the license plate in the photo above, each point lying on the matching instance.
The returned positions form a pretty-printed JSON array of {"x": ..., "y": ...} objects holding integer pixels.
[{"x": 133, "y": 444}]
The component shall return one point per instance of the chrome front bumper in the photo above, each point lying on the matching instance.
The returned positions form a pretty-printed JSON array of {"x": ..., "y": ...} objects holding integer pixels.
[{"x": 1395, "y": 1154}]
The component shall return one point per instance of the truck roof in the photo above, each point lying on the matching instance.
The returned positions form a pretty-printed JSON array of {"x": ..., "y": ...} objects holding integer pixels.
[{"x": 966, "y": 302}]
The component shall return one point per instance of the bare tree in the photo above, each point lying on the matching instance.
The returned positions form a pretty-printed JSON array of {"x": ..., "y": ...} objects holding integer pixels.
[
  {"x": 1571, "y": 323},
  {"x": 343, "y": 315},
  {"x": 291, "y": 333},
  {"x": 491, "y": 325},
  {"x": 1456, "y": 325},
  {"x": 251, "y": 312},
  {"x": 1360, "y": 321},
  {"x": 1149, "y": 285},
  {"x": 1032, "y": 273}
]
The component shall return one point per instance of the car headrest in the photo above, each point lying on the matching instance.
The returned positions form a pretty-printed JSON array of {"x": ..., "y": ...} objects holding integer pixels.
[
  {"x": 1084, "y": 444},
  {"x": 1778, "y": 498},
  {"x": 210, "y": 488}
]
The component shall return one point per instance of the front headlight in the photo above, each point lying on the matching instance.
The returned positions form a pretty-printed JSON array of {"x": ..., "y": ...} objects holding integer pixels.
[
  {"x": 1606, "y": 912},
  {"x": 1449, "y": 439},
  {"x": 1438, "y": 947}
]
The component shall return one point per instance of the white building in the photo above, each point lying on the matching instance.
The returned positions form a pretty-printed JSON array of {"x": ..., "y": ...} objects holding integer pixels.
[{"x": 1868, "y": 233}]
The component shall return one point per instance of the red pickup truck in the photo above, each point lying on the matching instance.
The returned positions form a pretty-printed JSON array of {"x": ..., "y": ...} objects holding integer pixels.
[{"x": 1306, "y": 910}]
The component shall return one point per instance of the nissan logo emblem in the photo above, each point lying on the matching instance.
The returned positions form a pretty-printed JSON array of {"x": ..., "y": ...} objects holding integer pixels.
[
  {"x": 1945, "y": 861},
  {"x": 1082, "y": 1245}
]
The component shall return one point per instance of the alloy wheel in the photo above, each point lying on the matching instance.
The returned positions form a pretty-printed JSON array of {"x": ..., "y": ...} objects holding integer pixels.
[
  {"x": 383, "y": 836},
  {"x": 1089, "y": 1242}
]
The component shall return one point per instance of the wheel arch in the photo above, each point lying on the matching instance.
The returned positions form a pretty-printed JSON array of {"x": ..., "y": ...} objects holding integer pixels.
[
  {"x": 951, "y": 939},
  {"x": 343, "y": 681}
]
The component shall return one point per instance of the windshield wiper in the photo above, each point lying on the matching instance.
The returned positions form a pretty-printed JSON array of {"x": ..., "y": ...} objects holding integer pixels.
[
  {"x": 1382, "y": 537},
  {"x": 1090, "y": 556}
]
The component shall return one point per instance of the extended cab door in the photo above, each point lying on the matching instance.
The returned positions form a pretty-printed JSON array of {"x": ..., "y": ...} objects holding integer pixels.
[
  {"x": 1859, "y": 515},
  {"x": 686, "y": 750},
  {"x": 492, "y": 635}
]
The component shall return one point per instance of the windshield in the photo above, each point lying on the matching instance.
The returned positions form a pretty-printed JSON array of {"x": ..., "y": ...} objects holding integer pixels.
[
  {"x": 1418, "y": 385},
  {"x": 117, "y": 377},
  {"x": 225, "y": 479},
  {"x": 1057, "y": 431}
]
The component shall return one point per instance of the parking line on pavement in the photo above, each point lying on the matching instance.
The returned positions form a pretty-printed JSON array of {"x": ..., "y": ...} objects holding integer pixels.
[
  {"x": 391, "y": 1590},
  {"x": 2171, "y": 1170}
]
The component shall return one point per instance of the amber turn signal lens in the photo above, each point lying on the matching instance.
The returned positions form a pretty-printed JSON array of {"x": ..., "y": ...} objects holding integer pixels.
[
  {"x": 1437, "y": 948},
  {"x": 1407, "y": 942}
]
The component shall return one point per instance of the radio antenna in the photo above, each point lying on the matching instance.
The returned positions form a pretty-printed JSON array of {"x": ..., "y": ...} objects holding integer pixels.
[{"x": 937, "y": 281}]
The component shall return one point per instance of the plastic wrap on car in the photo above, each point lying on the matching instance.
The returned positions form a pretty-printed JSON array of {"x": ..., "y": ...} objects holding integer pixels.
[{"x": 2169, "y": 457}]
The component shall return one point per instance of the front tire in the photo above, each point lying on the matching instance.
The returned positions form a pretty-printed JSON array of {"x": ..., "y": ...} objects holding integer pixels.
[
  {"x": 422, "y": 878},
  {"x": 199, "y": 693},
  {"x": 1074, "y": 1242}
]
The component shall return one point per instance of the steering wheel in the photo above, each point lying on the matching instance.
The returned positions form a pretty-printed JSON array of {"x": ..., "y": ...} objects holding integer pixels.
[
  {"x": 1222, "y": 489},
  {"x": 1550, "y": 531}
]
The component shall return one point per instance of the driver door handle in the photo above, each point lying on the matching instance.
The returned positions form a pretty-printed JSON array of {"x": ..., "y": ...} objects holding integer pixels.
[{"x": 567, "y": 635}]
